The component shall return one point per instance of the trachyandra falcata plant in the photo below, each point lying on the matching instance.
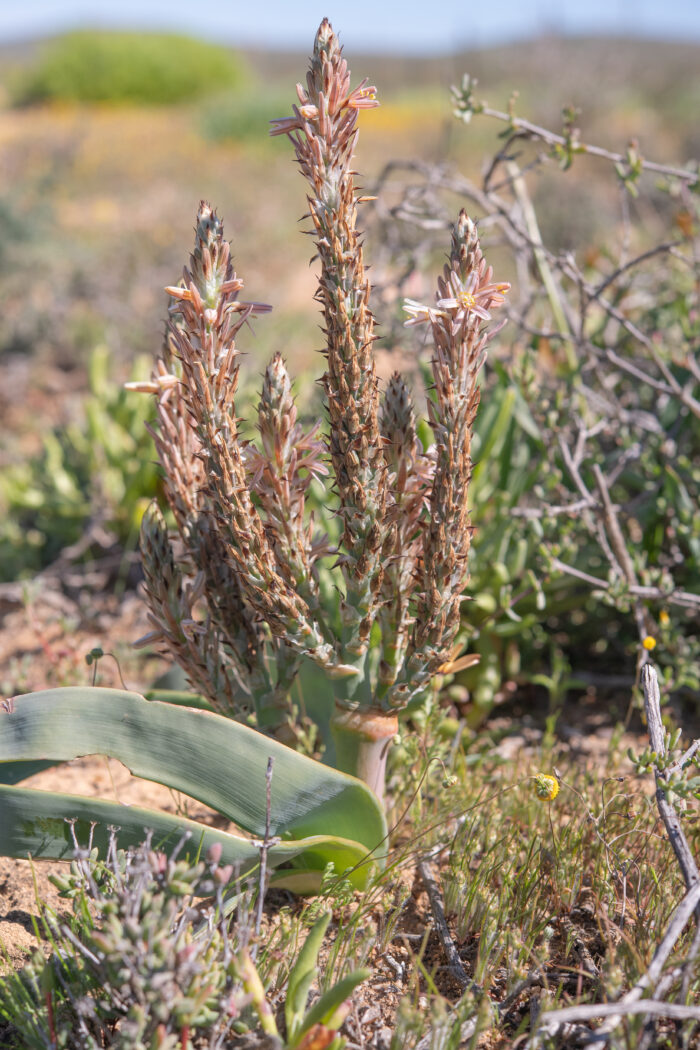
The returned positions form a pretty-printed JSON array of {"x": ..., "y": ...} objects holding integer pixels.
[{"x": 236, "y": 599}]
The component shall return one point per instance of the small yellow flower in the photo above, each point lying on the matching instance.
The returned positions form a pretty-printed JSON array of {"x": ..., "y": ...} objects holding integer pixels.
[
  {"x": 546, "y": 787},
  {"x": 664, "y": 618},
  {"x": 649, "y": 643}
]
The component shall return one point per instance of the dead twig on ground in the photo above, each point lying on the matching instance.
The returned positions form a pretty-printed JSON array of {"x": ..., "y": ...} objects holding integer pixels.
[
  {"x": 437, "y": 909},
  {"x": 632, "y": 1003}
]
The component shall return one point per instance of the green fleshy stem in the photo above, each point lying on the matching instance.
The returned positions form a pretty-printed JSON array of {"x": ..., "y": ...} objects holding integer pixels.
[{"x": 362, "y": 741}]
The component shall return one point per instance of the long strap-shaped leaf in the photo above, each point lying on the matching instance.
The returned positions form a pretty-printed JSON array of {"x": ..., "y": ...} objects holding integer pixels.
[
  {"x": 42, "y": 823},
  {"x": 208, "y": 757}
]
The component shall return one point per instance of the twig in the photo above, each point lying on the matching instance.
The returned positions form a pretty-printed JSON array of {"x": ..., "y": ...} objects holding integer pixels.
[
  {"x": 684, "y": 598},
  {"x": 675, "y": 928},
  {"x": 634, "y": 370},
  {"x": 658, "y": 249},
  {"x": 632, "y": 1002},
  {"x": 588, "y": 1011},
  {"x": 689, "y": 964},
  {"x": 552, "y": 139},
  {"x": 685, "y": 758},
  {"x": 691, "y": 902},
  {"x": 684, "y": 856},
  {"x": 680, "y": 392},
  {"x": 692, "y": 365},
  {"x": 575, "y": 935},
  {"x": 570, "y": 509},
  {"x": 570, "y": 570},
  {"x": 647, "y": 1040},
  {"x": 438, "y": 912},
  {"x": 440, "y": 1036},
  {"x": 613, "y": 530},
  {"x": 534, "y": 979},
  {"x": 397, "y": 967},
  {"x": 572, "y": 465},
  {"x": 264, "y": 848}
]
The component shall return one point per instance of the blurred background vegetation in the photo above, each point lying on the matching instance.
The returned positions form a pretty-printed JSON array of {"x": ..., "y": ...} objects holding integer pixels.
[
  {"x": 107, "y": 143},
  {"x": 145, "y": 69}
]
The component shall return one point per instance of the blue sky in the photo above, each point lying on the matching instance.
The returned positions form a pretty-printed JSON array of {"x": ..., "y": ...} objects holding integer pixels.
[{"x": 420, "y": 27}]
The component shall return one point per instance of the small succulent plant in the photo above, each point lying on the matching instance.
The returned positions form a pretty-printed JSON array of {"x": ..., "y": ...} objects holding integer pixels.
[{"x": 144, "y": 962}]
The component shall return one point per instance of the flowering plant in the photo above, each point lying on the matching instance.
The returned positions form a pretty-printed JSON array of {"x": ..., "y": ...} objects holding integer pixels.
[
  {"x": 234, "y": 593},
  {"x": 238, "y": 601}
]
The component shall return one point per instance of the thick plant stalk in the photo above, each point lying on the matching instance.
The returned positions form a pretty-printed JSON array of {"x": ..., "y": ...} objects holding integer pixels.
[
  {"x": 410, "y": 484},
  {"x": 281, "y": 472},
  {"x": 324, "y": 131},
  {"x": 464, "y": 297},
  {"x": 363, "y": 739}
]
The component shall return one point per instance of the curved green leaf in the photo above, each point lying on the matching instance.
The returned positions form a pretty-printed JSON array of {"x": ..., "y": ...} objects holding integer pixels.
[
  {"x": 323, "y": 1011},
  {"x": 302, "y": 974},
  {"x": 42, "y": 823},
  {"x": 179, "y": 698},
  {"x": 206, "y": 756}
]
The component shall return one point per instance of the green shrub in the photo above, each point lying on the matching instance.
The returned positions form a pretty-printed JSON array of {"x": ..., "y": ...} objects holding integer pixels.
[
  {"x": 100, "y": 466},
  {"x": 585, "y": 485},
  {"x": 141, "y": 68}
]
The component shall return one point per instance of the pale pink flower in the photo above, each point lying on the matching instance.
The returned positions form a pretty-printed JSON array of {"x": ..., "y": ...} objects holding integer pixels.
[
  {"x": 285, "y": 125},
  {"x": 161, "y": 383},
  {"x": 471, "y": 296},
  {"x": 419, "y": 313},
  {"x": 362, "y": 97}
]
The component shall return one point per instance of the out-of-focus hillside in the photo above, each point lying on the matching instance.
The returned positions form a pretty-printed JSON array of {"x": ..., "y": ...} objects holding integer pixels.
[
  {"x": 647, "y": 86},
  {"x": 97, "y": 202}
]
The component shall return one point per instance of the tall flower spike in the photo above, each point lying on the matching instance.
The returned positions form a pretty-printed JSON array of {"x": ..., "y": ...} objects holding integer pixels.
[
  {"x": 280, "y": 474},
  {"x": 211, "y": 315},
  {"x": 254, "y": 605},
  {"x": 410, "y": 483},
  {"x": 324, "y": 131},
  {"x": 197, "y": 646},
  {"x": 179, "y": 448},
  {"x": 464, "y": 298}
]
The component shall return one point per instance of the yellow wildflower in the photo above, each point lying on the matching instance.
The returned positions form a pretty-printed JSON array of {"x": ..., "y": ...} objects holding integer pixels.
[
  {"x": 664, "y": 618},
  {"x": 546, "y": 787},
  {"x": 649, "y": 642}
]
